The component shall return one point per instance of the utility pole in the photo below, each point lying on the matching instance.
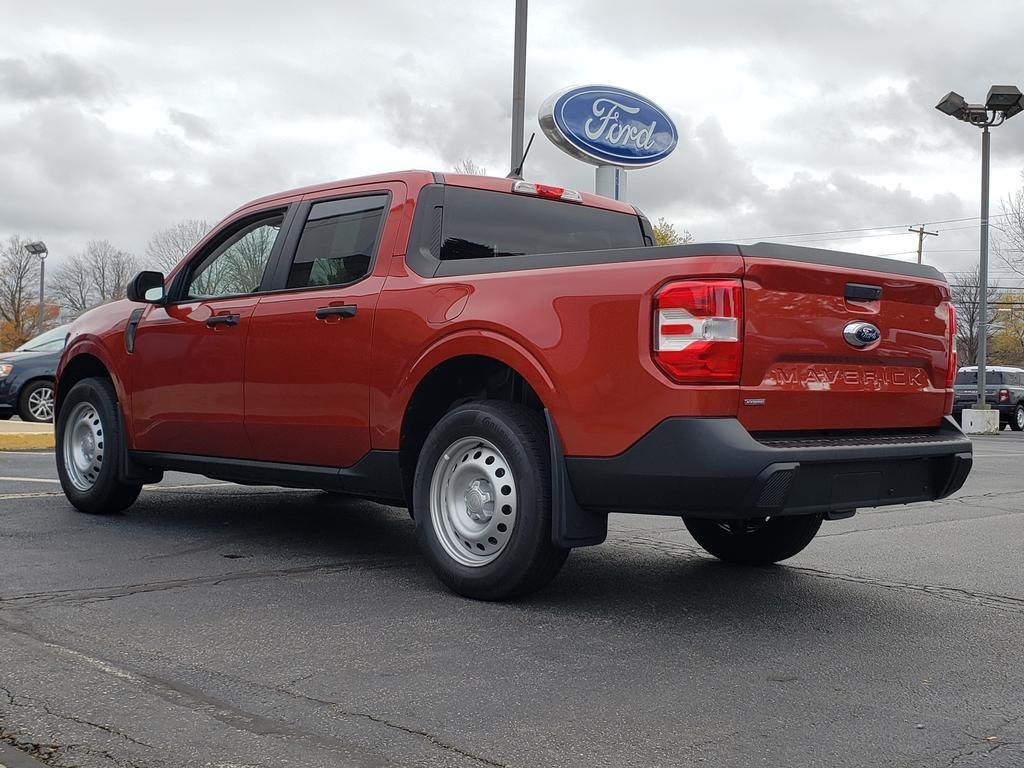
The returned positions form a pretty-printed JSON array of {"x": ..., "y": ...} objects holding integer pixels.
[
  {"x": 518, "y": 86},
  {"x": 920, "y": 239}
]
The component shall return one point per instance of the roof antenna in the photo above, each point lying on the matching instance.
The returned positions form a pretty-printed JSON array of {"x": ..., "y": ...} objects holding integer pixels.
[{"x": 517, "y": 172}]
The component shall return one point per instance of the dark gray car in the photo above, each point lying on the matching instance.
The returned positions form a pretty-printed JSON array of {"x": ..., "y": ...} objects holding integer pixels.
[
  {"x": 27, "y": 376},
  {"x": 1004, "y": 391}
]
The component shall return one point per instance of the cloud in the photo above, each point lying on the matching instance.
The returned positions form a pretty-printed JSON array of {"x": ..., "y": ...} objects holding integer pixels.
[
  {"x": 53, "y": 76},
  {"x": 192, "y": 126},
  {"x": 796, "y": 116}
]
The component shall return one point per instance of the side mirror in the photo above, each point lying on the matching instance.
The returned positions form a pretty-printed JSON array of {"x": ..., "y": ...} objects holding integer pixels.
[{"x": 147, "y": 287}]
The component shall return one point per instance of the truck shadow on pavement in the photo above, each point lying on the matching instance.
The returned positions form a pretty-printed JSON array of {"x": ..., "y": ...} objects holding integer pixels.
[{"x": 652, "y": 576}]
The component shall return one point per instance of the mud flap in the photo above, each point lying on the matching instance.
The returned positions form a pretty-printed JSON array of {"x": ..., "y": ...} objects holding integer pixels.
[{"x": 571, "y": 525}]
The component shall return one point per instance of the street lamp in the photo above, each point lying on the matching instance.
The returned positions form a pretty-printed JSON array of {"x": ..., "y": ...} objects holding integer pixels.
[
  {"x": 38, "y": 248},
  {"x": 1002, "y": 103}
]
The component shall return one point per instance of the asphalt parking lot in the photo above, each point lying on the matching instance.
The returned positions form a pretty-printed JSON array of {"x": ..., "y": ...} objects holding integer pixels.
[{"x": 217, "y": 625}]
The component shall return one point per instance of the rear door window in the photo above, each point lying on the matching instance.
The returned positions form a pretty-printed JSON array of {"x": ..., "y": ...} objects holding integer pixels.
[
  {"x": 338, "y": 242},
  {"x": 480, "y": 224}
]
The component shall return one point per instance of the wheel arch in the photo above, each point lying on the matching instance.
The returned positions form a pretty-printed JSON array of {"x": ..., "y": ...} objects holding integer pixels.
[
  {"x": 449, "y": 382},
  {"x": 84, "y": 364}
]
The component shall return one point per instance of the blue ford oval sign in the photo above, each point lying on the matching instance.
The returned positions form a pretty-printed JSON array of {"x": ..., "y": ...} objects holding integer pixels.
[{"x": 603, "y": 125}]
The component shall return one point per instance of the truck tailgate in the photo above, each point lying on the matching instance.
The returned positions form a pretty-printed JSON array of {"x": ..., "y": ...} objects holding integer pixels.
[{"x": 799, "y": 370}]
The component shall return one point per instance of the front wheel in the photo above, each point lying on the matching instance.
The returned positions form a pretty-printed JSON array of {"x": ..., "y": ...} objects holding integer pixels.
[
  {"x": 754, "y": 541},
  {"x": 1017, "y": 420},
  {"x": 89, "y": 449},
  {"x": 36, "y": 402},
  {"x": 482, "y": 501}
]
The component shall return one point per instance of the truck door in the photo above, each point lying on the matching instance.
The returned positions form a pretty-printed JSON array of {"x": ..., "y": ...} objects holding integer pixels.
[
  {"x": 187, "y": 362},
  {"x": 308, "y": 354}
]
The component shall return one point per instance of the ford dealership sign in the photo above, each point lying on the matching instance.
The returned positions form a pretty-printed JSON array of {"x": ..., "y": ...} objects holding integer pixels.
[{"x": 608, "y": 126}]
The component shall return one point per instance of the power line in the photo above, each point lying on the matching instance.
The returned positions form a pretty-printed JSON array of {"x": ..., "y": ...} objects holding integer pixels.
[{"x": 863, "y": 229}]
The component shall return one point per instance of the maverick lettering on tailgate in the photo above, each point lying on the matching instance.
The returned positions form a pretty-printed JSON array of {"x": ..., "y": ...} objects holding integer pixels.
[{"x": 819, "y": 376}]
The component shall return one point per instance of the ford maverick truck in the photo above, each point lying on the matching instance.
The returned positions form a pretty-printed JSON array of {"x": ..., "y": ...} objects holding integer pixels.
[{"x": 513, "y": 361}]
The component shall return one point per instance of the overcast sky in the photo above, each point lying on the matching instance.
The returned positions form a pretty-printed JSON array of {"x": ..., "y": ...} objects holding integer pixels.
[{"x": 119, "y": 118}]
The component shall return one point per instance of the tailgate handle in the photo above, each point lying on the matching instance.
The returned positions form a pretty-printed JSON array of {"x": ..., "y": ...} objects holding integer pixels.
[{"x": 861, "y": 292}]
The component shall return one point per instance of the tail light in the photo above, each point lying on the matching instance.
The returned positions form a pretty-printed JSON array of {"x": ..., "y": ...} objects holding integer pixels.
[
  {"x": 698, "y": 331},
  {"x": 1004, "y": 395},
  {"x": 952, "y": 361}
]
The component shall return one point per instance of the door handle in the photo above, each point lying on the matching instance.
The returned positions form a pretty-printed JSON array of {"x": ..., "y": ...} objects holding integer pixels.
[
  {"x": 216, "y": 320},
  {"x": 344, "y": 310}
]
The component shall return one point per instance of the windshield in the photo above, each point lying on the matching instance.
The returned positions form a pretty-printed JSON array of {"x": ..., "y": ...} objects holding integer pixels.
[
  {"x": 51, "y": 341},
  {"x": 993, "y": 378}
]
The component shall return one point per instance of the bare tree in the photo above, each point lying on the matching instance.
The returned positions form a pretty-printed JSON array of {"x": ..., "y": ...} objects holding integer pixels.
[
  {"x": 1008, "y": 231},
  {"x": 665, "y": 233},
  {"x": 469, "y": 167},
  {"x": 97, "y": 275},
  {"x": 966, "y": 294},
  {"x": 168, "y": 247},
  {"x": 19, "y": 278}
]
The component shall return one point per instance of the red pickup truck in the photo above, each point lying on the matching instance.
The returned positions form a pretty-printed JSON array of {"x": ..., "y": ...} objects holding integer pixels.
[{"x": 513, "y": 361}]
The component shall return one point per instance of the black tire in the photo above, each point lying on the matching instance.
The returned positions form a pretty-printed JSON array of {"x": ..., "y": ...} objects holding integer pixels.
[
  {"x": 24, "y": 400},
  {"x": 107, "y": 493},
  {"x": 528, "y": 560},
  {"x": 1017, "y": 419},
  {"x": 755, "y": 541}
]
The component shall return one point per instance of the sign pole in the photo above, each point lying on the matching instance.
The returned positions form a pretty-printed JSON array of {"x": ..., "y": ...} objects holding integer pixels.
[
  {"x": 519, "y": 85},
  {"x": 610, "y": 181}
]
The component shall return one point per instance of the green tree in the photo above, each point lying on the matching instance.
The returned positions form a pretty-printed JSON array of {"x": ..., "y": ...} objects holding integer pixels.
[{"x": 665, "y": 233}]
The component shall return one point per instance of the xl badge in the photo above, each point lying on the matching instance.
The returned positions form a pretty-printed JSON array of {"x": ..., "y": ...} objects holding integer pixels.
[{"x": 861, "y": 334}]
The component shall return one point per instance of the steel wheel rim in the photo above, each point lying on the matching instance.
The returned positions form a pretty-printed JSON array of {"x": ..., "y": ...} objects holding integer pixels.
[
  {"x": 83, "y": 446},
  {"x": 473, "y": 502},
  {"x": 1020, "y": 417},
  {"x": 40, "y": 404}
]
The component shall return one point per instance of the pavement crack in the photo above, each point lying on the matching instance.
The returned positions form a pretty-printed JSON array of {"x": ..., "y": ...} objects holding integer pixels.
[
  {"x": 958, "y": 594},
  {"x": 437, "y": 741},
  {"x": 103, "y": 594},
  {"x": 432, "y": 738},
  {"x": 32, "y": 702}
]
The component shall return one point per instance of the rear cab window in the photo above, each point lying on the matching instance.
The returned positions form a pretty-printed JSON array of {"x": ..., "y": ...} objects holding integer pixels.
[
  {"x": 480, "y": 224},
  {"x": 338, "y": 242}
]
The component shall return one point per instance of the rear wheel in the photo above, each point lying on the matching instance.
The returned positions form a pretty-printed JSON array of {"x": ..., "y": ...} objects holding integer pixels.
[
  {"x": 89, "y": 449},
  {"x": 754, "y": 541},
  {"x": 36, "y": 402},
  {"x": 1017, "y": 420},
  {"x": 482, "y": 500}
]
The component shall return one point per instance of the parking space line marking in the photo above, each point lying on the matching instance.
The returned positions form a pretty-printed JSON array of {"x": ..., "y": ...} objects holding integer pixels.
[{"x": 148, "y": 487}]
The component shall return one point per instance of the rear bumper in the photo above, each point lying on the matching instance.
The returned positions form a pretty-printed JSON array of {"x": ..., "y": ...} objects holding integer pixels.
[{"x": 713, "y": 467}]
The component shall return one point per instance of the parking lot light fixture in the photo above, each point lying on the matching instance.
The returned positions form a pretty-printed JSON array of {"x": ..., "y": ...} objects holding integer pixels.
[
  {"x": 1002, "y": 103},
  {"x": 1002, "y": 98},
  {"x": 953, "y": 104},
  {"x": 38, "y": 248}
]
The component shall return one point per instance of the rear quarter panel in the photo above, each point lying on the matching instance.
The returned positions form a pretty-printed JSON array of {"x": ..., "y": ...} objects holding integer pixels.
[{"x": 581, "y": 336}]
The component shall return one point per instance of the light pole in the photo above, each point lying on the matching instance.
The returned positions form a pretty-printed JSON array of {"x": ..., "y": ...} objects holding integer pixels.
[
  {"x": 1002, "y": 103},
  {"x": 38, "y": 248}
]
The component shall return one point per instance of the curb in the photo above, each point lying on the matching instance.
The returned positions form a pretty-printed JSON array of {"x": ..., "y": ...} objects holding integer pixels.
[
  {"x": 26, "y": 441},
  {"x": 15, "y": 758}
]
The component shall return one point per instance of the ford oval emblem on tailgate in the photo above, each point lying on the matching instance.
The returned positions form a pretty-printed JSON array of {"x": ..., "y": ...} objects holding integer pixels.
[{"x": 860, "y": 334}]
